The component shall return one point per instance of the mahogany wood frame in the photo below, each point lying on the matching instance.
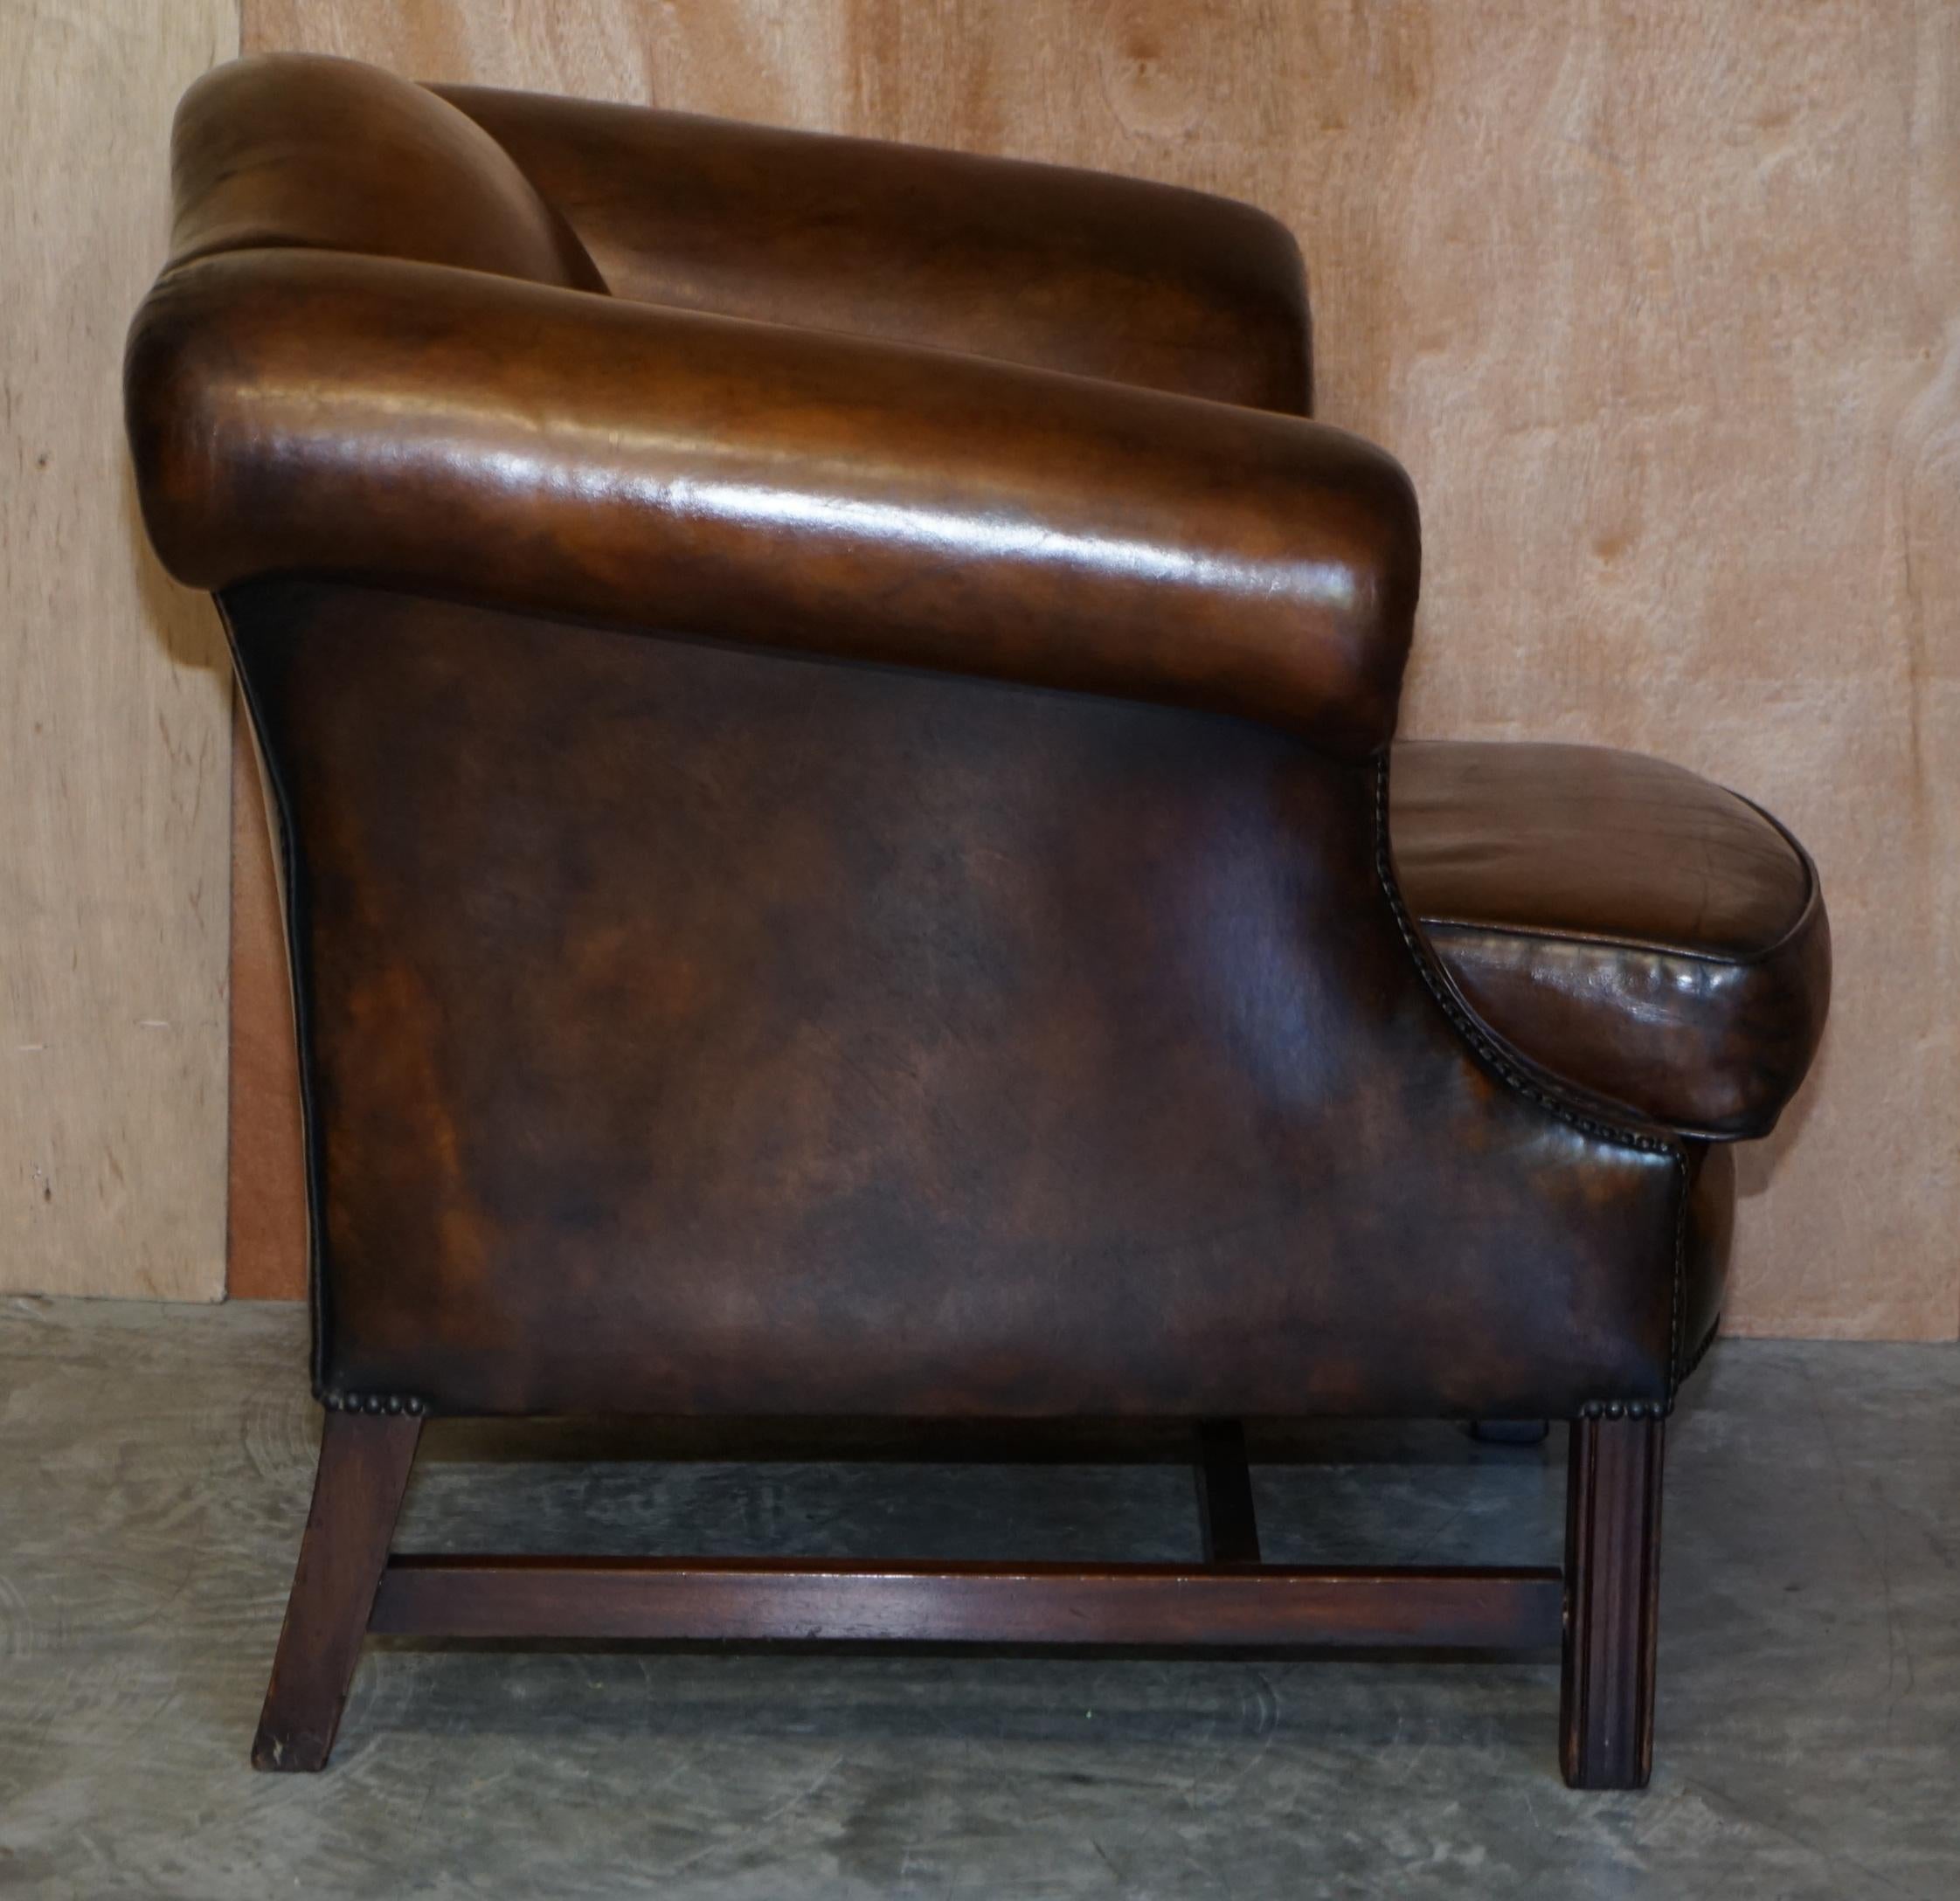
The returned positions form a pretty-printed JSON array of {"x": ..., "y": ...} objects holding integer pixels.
[{"x": 1601, "y": 1608}]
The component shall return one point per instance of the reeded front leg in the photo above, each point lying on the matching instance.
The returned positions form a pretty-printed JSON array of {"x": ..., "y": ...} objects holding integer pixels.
[
  {"x": 1613, "y": 1571},
  {"x": 364, "y": 1462}
]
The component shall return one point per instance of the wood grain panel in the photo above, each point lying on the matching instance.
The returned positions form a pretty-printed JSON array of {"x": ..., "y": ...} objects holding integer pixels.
[
  {"x": 799, "y": 1600},
  {"x": 114, "y": 721},
  {"x": 1660, "y": 305}
]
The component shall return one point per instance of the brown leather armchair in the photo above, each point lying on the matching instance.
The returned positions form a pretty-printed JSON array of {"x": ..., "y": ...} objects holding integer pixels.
[{"x": 830, "y": 721}]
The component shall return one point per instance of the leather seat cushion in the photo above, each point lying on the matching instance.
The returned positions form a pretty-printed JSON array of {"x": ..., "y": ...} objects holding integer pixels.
[{"x": 1647, "y": 935}]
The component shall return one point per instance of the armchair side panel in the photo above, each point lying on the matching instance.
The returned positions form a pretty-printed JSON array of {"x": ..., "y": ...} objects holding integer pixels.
[{"x": 691, "y": 1028}]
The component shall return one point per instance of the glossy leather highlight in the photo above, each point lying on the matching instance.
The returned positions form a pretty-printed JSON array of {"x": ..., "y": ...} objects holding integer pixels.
[{"x": 534, "y": 446}]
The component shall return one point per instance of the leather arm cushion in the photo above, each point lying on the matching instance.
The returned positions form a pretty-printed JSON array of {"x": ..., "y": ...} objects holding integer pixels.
[
  {"x": 1042, "y": 265},
  {"x": 445, "y": 430}
]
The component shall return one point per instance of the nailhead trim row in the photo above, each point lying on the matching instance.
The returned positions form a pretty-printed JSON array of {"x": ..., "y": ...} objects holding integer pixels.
[
  {"x": 374, "y": 1402},
  {"x": 1626, "y": 1409}
]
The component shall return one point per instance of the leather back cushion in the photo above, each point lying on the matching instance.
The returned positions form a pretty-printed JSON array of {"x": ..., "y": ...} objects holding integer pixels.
[
  {"x": 289, "y": 150},
  {"x": 1077, "y": 271}
]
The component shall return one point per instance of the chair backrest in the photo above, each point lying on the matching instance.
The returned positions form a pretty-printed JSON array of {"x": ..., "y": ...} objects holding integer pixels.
[
  {"x": 329, "y": 155},
  {"x": 1125, "y": 280},
  {"x": 1119, "y": 279}
]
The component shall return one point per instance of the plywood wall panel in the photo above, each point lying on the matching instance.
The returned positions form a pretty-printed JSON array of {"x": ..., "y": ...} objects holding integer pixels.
[
  {"x": 1661, "y": 306},
  {"x": 114, "y": 734},
  {"x": 780, "y": 62}
]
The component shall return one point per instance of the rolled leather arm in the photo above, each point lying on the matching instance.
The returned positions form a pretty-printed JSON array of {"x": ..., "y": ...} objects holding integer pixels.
[{"x": 437, "y": 428}]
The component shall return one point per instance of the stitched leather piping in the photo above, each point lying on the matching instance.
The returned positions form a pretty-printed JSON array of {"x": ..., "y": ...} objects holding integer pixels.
[
  {"x": 1512, "y": 1069},
  {"x": 1701, "y": 1353}
]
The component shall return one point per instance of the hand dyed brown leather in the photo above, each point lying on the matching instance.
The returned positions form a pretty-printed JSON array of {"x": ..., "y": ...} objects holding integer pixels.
[
  {"x": 1029, "y": 264},
  {"x": 413, "y": 425},
  {"x": 1623, "y": 921},
  {"x": 831, "y": 740}
]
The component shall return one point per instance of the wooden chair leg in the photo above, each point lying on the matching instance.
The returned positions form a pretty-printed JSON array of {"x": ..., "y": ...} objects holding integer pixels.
[
  {"x": 1612, "y": 1569},
  {"x": 364, "y": 1462}
]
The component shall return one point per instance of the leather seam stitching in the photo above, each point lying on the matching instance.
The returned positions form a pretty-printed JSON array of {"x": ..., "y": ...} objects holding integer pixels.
[
  {"x": 1602, "y": 941},
  {"x": 1813, "y": 896}
]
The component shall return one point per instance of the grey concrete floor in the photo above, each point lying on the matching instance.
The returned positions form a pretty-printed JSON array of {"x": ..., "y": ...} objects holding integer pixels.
[{"x": 155, "y": 1465}]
